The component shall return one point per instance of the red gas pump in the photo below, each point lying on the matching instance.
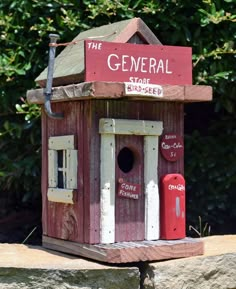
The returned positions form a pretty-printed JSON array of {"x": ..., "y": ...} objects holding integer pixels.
[{"x": 173, "y": 216}]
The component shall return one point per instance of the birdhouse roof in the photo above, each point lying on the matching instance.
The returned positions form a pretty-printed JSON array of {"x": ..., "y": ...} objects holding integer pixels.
[{"x": 69, "y": 64}]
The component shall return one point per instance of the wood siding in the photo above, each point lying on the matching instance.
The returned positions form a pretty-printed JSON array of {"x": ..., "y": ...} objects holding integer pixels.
[
  {"x": 63, "y": 221},
  {"x": 80, "y": 222}
]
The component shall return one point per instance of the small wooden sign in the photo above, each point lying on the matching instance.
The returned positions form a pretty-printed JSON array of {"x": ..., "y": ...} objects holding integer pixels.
[
  {"x": 172, "y": 147},
  {"x": 137, "y": 63},
  {"x": 128, "y": 190},
  {"x": 153, "y": 90}
]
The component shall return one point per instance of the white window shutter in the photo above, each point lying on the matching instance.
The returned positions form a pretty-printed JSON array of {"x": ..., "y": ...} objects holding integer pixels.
[
  {"x": 52, "y": 168},
  {"x": 71, "y": 169}
]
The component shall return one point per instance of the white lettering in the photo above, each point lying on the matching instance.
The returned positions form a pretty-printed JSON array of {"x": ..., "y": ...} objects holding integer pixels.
[
  {"x": 178, "y": 187},
  {"x": 124, "y": 62},
  {"x": 134, "y": 63},
  {"x": 115, "y": 65},
  {"x": 139, "y": 80},
  {"x": 128, "y": 194},
  {"x": 170, "y": 136},
  {"x": 134, "y": 88},
  {"x": 167, "y": 67},
  {"x": 152, "y": 65},
  {"x": 94, "y": 45},
  {"x": 143, "y": 63},
  {"x": 173, "y": 146},
  {"x": 128, "y": 187},
  {"x": 160, "y": 66}
]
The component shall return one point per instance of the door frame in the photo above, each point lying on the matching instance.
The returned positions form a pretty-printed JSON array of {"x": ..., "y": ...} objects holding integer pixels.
[{"x": 151, "y": 130}]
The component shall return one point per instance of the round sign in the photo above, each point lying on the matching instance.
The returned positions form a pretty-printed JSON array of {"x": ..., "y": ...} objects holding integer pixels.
[{"x": 172, "y": 147}]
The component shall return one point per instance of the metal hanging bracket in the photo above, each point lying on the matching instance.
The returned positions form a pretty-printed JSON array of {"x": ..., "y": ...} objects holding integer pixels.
[{"x": 48, "y": 89}]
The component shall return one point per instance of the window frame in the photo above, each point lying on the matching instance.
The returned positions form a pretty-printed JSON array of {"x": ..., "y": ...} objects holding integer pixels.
[{"x": 66, "y": 144}]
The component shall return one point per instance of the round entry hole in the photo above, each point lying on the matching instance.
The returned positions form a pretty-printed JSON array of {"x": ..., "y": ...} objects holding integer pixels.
[{"x": 125, "y": 160}]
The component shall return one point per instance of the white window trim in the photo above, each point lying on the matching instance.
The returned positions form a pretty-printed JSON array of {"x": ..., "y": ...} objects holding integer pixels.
[
  {"x": 63, "y": 142},
  {"x": 70, "y": 162},
  {"x": 64, "y": 196},
  {"x": 151, "y": 130}
]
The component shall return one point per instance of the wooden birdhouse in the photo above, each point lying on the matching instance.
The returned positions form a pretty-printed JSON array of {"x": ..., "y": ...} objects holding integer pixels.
[{"x": 113, "y": 183}]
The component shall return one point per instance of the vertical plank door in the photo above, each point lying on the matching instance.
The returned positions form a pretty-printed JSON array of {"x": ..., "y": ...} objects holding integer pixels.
[{"x": 129, "y": 212}]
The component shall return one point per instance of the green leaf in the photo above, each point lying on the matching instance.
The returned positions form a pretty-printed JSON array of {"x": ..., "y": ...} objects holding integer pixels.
[{"x": 19, "y": 108}]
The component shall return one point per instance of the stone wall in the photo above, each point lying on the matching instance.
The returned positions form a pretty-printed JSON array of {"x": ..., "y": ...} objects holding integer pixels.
[
  {"x": 214, "y": 272},
  {"x": 21, "y": 278},
  {"x": 29, "y": 267},
  {"x": 216, "y": 269}
]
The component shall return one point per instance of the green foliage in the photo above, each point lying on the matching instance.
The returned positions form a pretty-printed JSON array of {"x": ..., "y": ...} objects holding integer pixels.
[
  {"x": 24, "y": 29},
  {"x": 31, "y": 111},
  {"x": 211, "y": 175},
  {"x": 207, "y": 26},
  {"x": 19, "y": 161}
]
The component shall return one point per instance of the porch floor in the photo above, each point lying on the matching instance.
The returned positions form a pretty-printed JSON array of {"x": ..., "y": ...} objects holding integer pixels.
[{"x": 125, "y": 252}]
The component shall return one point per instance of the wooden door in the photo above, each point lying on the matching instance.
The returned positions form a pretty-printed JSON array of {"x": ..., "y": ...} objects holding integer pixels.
[{"x": 129, "y": 173}]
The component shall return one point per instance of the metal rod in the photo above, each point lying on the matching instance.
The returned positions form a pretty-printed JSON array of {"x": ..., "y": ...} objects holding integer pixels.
[{"x": 48, "y": 89}]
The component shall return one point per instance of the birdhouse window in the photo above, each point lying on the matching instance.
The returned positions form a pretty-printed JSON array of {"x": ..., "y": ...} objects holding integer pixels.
[
  {"x": 61, "y": 177},
  {"x": 62, "y": 169}
]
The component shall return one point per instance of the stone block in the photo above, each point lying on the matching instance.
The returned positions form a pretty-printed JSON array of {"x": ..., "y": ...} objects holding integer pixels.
[
  {"x": 27, "y": 267},
  {"x": 216, "y": 269}
]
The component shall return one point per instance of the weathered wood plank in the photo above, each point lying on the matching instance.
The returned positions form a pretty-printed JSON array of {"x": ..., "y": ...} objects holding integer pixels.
[
  {"x": 172, "y": 115},
  {"x": 78, "y": 249},
  {"x": 130, "y": 212},
  {"x": 129, "y": 252},
  {"x": 151, "y": 180},
  {"x": 71, "y": 170},
  {"x": 197, "y": 93},
  {"x": 44, "y": 177},
  {"x": 62, "y": 93},
  {"x": 52, "y": 168},
  {"x": 129, "y": 127},
  {"x": 84, "y": 135},
  {"x": 64, "y": 196},
  {"x": 107, "y": 189},
  {"x": 94, "y": 175},
  {"x": 110, "y": 90},
  {"x": 82, "y": 158},
  {"x": 62, "y": 142}
]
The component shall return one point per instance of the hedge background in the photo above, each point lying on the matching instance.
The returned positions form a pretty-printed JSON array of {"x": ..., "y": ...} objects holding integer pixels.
[{"x": 210, "y": 141}]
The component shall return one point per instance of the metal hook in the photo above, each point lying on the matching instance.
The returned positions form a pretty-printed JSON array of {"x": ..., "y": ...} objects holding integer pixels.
[{"x": 48, "y": 89}]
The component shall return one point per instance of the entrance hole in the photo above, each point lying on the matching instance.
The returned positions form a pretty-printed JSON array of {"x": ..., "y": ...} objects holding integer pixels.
[{"x": 125, "y": 160}]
